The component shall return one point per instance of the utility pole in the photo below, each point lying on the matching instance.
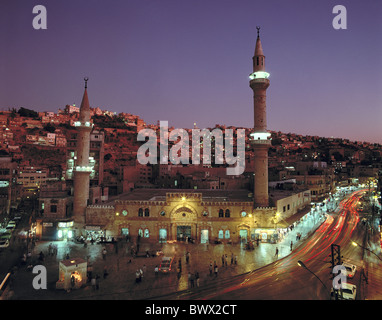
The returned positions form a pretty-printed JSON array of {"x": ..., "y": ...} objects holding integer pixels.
[{"x": 336, "y": 260}]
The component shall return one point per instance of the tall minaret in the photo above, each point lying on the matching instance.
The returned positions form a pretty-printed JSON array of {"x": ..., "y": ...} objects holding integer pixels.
[
  {"x": 82, "y": 169},
  {"x": 259, "y": 83}
]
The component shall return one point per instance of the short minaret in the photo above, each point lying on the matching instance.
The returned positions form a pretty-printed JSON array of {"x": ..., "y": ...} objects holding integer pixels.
[
  {"x": 259, "y": 83},
  {"x": 82, "y": 169}
]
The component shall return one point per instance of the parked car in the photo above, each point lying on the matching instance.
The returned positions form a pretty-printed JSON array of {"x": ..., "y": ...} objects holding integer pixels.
[
  {"x": 350, "y": 269},
  {"x": 6, "y": 234},
  {"x": 4, "y": 243},
  {"x": 10, "y": 226},
  {"x": 347, "y": 292}
]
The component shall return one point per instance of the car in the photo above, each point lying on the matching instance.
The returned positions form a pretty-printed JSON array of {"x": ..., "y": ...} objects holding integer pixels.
[
  {"x": 5, "y": 235},
  {"x": 4, "y": 243},
  {"x": 17, "y": 217},
  {"x": 350, "y": 269},
  {"x": 348, "y": 291},
  {"x": 10, "y": 227},
  {"x": 166, "y": 264}
]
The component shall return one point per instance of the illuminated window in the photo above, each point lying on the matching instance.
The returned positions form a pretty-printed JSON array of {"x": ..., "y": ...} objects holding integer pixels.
[
  {"x": 147, "y": 233},
  {"x": 227, "y": 235},
  {"x": 220, "y": 236}
]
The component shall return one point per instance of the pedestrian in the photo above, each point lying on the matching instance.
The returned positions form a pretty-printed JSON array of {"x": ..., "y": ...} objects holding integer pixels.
[
  {"x": 141, "y": 272},
  {"x": 156, "y": 270},
  {"x": 277, "y": 252},
  {"x": 180, "y": 265},
  {"x": 231, "y": 258},
  {"x": 104, "y": 254},
  {"x": 216, "y": 271},
  {"x": 192, "y": 280},
  {"x": 189, "y": 278},
  {"x": 137, "y": 276},
  {"x": 179, "y": 272},
  {"x": 235, "y": 259},
  {"x": 93, "y": 282},
  {"x": 105, "y": 274},
  {"x": 211, "y": 268},
  {"x": 291, "y": 245},
  {"x": 187, "y": 257},
  {"x": 223, "y": 260},
  {"x": 97, "y": 281},
  {"x": 197, "y": 278}
]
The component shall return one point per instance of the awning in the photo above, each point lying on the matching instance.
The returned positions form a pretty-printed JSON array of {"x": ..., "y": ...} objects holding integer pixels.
[{"x": 285, "y": 223}]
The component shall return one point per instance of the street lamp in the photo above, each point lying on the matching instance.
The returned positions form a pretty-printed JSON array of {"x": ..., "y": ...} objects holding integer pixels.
[
  {"x": 358, "y": 245},
  {"x": 301, "y": 264}
]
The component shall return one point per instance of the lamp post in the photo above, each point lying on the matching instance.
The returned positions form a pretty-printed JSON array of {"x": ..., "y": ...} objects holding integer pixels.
[
  {"x": 358, "y": 245},
  {"x": 301, "y": 264}
]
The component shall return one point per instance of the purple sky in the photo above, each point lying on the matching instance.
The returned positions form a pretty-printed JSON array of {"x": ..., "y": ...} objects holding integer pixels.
[{"x": 189, "y": 61}]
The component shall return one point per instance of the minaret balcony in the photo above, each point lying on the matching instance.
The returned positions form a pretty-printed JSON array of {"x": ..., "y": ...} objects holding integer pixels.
[
  {"x": 88, "y": 169},
  {"x": 260, "y": 138},
  {"x": 259, "y": 75},
  {"x": 85, "y": 124}
]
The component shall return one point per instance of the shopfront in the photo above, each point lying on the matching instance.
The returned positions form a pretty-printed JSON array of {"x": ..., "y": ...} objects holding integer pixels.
[
  {"x": 65, "y": 230},
  {"x": 265, "y": 235},
  {"x": 94, "y": 233}
]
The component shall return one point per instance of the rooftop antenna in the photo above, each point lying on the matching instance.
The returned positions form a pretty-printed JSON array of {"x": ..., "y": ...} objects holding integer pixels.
[
  {"x": 258, "y": 31},
  {"x": 86, "y": 82}
]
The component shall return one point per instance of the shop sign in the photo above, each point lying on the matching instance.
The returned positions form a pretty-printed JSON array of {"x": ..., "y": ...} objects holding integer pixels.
[
  {"x": 92, "y": 228},
  {"x": 47, "y": 224}
]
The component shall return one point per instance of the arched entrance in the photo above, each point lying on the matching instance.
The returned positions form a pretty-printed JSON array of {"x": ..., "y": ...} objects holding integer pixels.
[{"x": 183, "y": 221}]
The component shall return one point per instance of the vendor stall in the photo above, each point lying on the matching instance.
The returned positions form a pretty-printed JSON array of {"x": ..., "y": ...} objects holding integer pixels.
[{"x": 72, "y": 274}]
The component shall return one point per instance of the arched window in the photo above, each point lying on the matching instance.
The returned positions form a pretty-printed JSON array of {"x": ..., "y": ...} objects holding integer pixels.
[
  {"x": 257, "y": 61},
  {"x": 147, "y": 212},
  {"x": 140, "y": 232},
  {"x": 140, "y": 212},
  {"x": 227, "y": 234},
  {"x": 147, "y": 233},
  {"x": 221, "y": 213},
  {"x": 220, "y": 235},
  {"x": 227, "y": 213}
]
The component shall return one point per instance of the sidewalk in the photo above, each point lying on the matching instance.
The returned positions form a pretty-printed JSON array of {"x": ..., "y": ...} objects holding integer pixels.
[{"x": 120, "y": 281}]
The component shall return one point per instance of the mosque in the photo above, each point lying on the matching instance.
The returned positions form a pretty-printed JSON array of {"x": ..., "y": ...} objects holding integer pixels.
[{"x": 201, "y": 216}]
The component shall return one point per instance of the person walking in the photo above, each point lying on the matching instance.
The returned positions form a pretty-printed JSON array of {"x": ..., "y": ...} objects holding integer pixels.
[
  {"x": 277, "y": 252},
  {"x": 197, "y": 278},
  {"x": 93, "y": 282},
  {"x": 192, "y": 280},
  {"x": 291, "y": 245},
  {"x": 216, "y": 270},
  {"x": 211, "y": 268},
  {"x": 137, "y": 276}
]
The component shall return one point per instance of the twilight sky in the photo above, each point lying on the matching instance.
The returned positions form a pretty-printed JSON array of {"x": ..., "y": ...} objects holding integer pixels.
[{"x": 187, "y": 61}]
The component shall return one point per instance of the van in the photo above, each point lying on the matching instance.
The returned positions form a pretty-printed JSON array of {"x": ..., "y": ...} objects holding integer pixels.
[{"x": 165, "y": 265}]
